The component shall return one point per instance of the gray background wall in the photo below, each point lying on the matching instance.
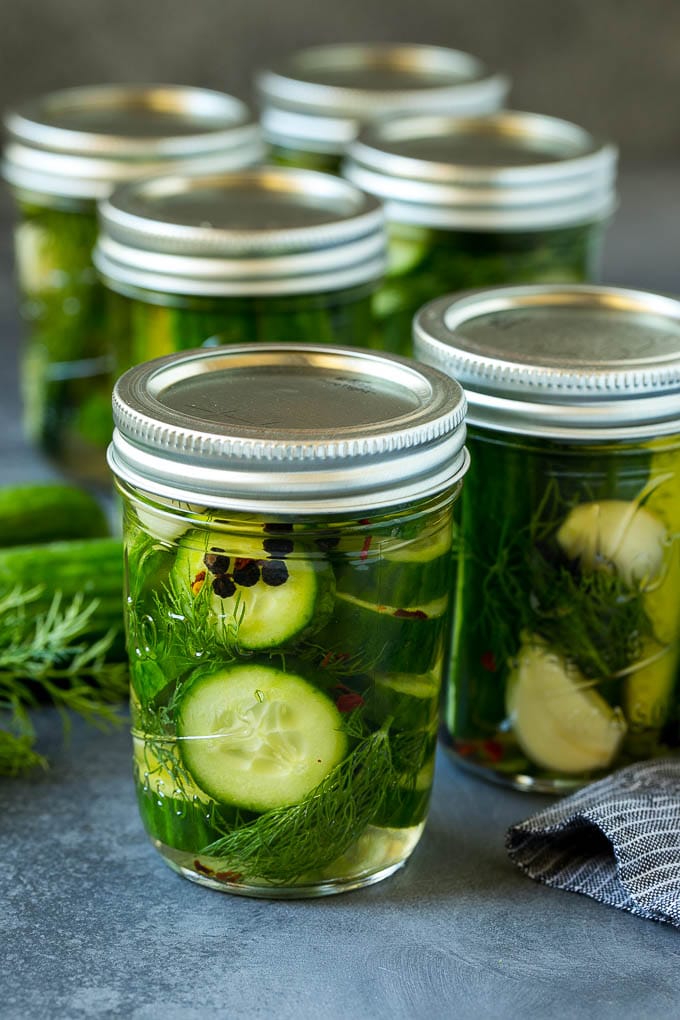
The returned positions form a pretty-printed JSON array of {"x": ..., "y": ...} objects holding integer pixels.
[{"x": 612, "y": 65}]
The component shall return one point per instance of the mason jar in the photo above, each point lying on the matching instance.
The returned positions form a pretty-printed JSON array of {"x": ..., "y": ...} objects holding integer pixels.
[
  {"x": 269, "y": 253},
  {"x": 314, "y": 101},
  {"x": 287, "y": 533},
  {"x": 566, "y": 646},
  {"x": 475, "y": 202},
  {"x": 65, "y": 150}
]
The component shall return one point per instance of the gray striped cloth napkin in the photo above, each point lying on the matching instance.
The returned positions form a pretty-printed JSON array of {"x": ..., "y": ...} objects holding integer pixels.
[{"x": 617, "y": 840}]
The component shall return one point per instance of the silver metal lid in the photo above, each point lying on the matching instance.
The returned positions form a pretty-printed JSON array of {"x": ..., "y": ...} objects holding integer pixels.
[
  {"x": 578, "y": 362},
  {"x": 78, "y": 143},
  {"x": 317, "y": 98},
  {"x": 288, "y": 427},
  {"x": 269, "y": 230},
  {"x": 507, "y": 171}
]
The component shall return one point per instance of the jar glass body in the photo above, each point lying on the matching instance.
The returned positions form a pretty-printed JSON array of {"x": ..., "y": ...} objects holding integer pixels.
[
  {"x": 566, "y": 650},
  {"x": 285, "y": 678},
  {"x": 70, "y": 331},
  {"x": 424, "y": 263},
  {"x": 161, "y": 324}
]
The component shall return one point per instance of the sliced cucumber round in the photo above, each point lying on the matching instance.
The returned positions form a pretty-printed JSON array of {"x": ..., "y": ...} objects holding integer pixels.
[
  {"x": 411, "y": 701},
  {"x": 616, "y": 534},
  {"x": 273, "y": 592},
  {"x": 258, "y": 738},
  {"x": 393, "y": 638},
  {"x": 165, "y": 778},
  {"x": 559, "y": 721}
]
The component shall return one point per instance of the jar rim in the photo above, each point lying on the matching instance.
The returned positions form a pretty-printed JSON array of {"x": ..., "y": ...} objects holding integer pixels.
[
  {"x": 293, "y": 427},
  {"x": 80, "y": 142},
  {"x": 575, "y": 361}
]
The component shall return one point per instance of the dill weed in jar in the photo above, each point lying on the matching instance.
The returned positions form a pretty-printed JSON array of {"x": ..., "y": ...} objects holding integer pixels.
[
  {"x": 315, "y": 100},
  {"x": 270, "y": 254},
  {"x": 474, "y": 202},
  {"x": 66, "y": 150},
  {"x": 566, "y": 648},
  {"x": 288, "y": 530}
]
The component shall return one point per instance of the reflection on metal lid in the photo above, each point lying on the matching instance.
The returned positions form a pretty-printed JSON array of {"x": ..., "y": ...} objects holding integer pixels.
[
  {"x": 317, "y": 98},
  {"x": 80, "y": 142},
  {"x": 288, "y": 426},
  {"x": 508, "y": 170},
  {"x": 266, "y": 230},
  {"x": 552, "y": 360}
]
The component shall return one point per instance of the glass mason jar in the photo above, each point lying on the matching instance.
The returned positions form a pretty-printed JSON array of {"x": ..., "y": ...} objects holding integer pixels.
[
  {"x": 476, "y": 202},
  {"x": 314, "y": 100},
  {"x": 270, "y": 254},
  {"x": 65, "y": 151},
  {"x": 288, "y": 527},
  {"x": 566, "y": 646}
]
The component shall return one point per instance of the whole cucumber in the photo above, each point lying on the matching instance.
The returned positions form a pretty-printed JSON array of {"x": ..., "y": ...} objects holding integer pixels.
[{"x": 48, "y": 512}]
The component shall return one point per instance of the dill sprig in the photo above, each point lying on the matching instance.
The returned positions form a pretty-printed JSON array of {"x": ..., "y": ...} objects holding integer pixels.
[
  {"x": 180, "y": 632},
  {"x": 48, "y": 655},
  {"x": 593, "y": 618},
  {"x": 282, "y": 845}
]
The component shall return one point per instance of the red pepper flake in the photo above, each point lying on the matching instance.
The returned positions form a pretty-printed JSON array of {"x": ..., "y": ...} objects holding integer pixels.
[
  {"x": 349, "y": 701},
  {"x": 365, "y": 547},
  {"x": 202, "y": 869},
  {"x": 410, "y": 614},
  {"x": 333, "y": 657},
  {"x": 488, "y": 661},
  {"x": 197, "y": 582},
  {"x": 229, "y": 876},
  {"x": 493, "y": 750},
  {"x": 465, "y": 747}
]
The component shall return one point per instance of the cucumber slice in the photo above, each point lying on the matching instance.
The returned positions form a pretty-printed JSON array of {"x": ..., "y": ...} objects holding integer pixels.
[
  {"x": 275, "y": 596},
  {"x": 560, "y": 723},
  {"x": 616, "y": 533},
  {"x": 407, "y": 801},
  {"x": 400, "y": 570},
  {"x": 386, "y": 638},
  {"x": 167, "y": 778},
  {"x": 648, "y": 690},
  {"x": 411, "y": 701},
  {"x": 258, "y": 738}
]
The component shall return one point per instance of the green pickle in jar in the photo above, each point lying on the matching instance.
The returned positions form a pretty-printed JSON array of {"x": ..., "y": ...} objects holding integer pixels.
[
  {"x": 315, "y": 100},
  {"x": 268, "y": 254},
  {"x": 481, "y": 201},
  {"x": 289, "y": 615},
  {"x": 565, "y": 660},
  {"x": 65, "y": 151},
  {"x": 66, "y": 365}
]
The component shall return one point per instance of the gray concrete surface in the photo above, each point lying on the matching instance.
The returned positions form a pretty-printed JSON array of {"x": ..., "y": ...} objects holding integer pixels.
[{"x": 94, "y": 925}]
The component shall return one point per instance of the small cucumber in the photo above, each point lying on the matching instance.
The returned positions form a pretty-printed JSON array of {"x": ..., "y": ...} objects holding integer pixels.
[
  {"x": 275, "y": 593},
  {"x": 92, "y": 567},
  {"x": 257, "y": 738},
  {"x": 31, "y": 514}
]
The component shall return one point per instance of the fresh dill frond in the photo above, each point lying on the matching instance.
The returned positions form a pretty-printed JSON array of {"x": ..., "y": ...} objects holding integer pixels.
[
  {"x": 49, "y": 656},
  {"x": 282, "y": 845},
  {"x": 592, "y": 618}
]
